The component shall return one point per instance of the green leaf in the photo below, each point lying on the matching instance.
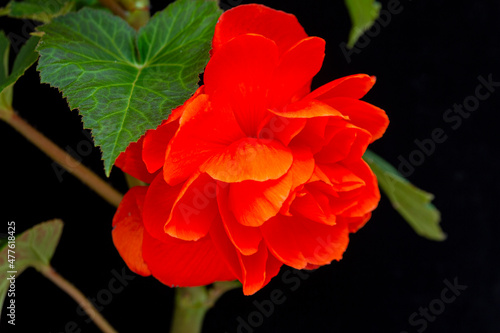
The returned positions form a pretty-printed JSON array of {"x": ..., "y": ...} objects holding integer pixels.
[
  {"x": 38, "y": 10},
  {"x": 5, "y": 94},
  {"x": 26, "y": 57},
  {"x": 126, "y": 82},
  {"x": 411, "y": 202},
  {"x": 363, "y": 14},
  {"x": 33, "y": 248}
]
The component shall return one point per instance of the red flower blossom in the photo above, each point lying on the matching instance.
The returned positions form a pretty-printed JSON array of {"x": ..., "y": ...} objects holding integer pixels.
[{"x": 254, "y": 171}]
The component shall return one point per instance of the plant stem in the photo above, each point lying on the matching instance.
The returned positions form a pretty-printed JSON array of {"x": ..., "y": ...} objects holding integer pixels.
[
  {"x": 77, "y": 295},
  {"x": 64, "y": 159},
  {"x": 115, "y": 7},
  {"x": 190, "y": 310},
  {"x": 192, "y": 304}
]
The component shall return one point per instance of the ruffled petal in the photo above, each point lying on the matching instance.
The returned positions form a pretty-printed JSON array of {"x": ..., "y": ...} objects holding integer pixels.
[
  {"x": 179, "y": 263},
  {"x": 253, "y": 269},
  {"x": 250, "y": 159},
  {"x": 341, "y": 179},
  {"x": 313, "y": 205},
  {"x": 253, "y": 202},
  {"x": 296, "y": 69},
  {"x": 347, "y": 144},
  {"x": 155, "y": 145},
  {"x": 276, "y": 25},
  {"x": 194, "y": 209},
  {"x": 308, "y": 109},
  {"x": 158, "y": 206},
  {"x": 130, "y": 161},
  {"x": 245, "y": 239},
  {"x": 301, "y": 171},
  {"x": 128, "y": 230},
  {"x": 298, "y": 242},
  {"x": 281, "y": 128},
  {"x": 203, "y": 133},
  {"x": 353, "y": 86},
  {"x": 239, "y": 75},
  {"x": 366, "y": 197},
  {"x": 362, "y": 114}
]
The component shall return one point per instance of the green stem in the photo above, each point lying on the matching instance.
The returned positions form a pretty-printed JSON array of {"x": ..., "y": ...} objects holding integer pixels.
[
  {"x": 190, "y": 310},
  {"x": 192, "y": 304},
  {"x": 79, "y": 298}
]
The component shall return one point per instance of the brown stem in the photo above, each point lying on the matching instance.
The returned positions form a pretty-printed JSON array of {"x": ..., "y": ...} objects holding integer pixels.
[
  {"x": 77, "y": 295},
  {"x": 115, "y": 7},
  {"x": 64, "y": 159}
]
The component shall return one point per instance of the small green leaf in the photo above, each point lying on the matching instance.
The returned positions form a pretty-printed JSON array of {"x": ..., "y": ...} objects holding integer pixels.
[
  {"x": 33, "y": 248},
  {"x": 363, "y": 14},
  {"x": 126, "y": 82},
  {"x": 26, "y": 57},
  {"x": 411, "y": 202},
  {"x": 6, "y": 92},
  {"x": 38, "y": 10}
]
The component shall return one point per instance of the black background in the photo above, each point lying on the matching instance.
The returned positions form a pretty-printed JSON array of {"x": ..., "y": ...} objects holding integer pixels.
[{"x": 426, "y": 59}]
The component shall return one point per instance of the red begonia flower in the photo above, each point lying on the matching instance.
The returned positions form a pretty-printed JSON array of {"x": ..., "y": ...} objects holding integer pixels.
[{"x": 255, "y": 170}]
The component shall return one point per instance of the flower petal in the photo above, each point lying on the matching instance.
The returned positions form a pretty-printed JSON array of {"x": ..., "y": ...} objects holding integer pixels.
[
  {"x": 253, "y": 271},
  {"x": 158, "y": 206},
  {"x": 298, "y": 242},
  {"x": 369, "y": 195},
  {"x": 128, "y": 230},
  {"x": 313, "y": 205},
  {"x": 194, "y": 209},
  {"x": 296, "y": 69},
  {"x": 130, "y": 161},
  {"x": 155, "y": 145},
  {"x": 308, "y": 109},
  {"x": 281, "y": 128},
  {"x": 279, "y": 26},
  {"x": 203, "y": 133},
  {"x": 179, "y": 263},
  {"x": 348, "y": 144},
  {"x": 250, "y": 159},
  {"x": 354, "y": 86},
  {"x": 253, "y": 202},
  {"x": 245, "y": 239},
  {"x": 362, "y": 114},
  {"x": 239, "y": 76}
]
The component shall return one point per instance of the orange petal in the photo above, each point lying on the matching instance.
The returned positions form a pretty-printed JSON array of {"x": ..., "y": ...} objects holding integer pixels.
[
  {"x": 301, "y": 171},
  {"x": 203, "y": 133},
  {"x": 368, "y": 196},
  {"x": 308, "y": 109},
  {"x": 130, "y": 161},
  {"x": 296, "y": 68},
  {"x": 313, "y": 205},
  {"x": 253, "y": 271},
  {"x": 155, "y": 145},
  {"x": 178, "y": 263},
  {"x": 194, "y": 209},
  {"x": 362, "y": 114},
  {"x": 348, "y": 144},
  {"x": 239, "y": 76},
  {"x": 279, "y": 26},
  {"x": 341, "y": 178},
  {"x": 354, "y": 86},
  {"x": 253, "y": 202},
  {"x": 245, "y": 239},
  {"x": 299, "y": 242},
  {"x": 253, "y": 268},
  {"x": 128, "y": 230},
  {"x": 250, "y": 159},
  {"x": 281, "y": 128},
  {"x": 357, "y": 223},
  {"x": 158, "y": 206}
]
